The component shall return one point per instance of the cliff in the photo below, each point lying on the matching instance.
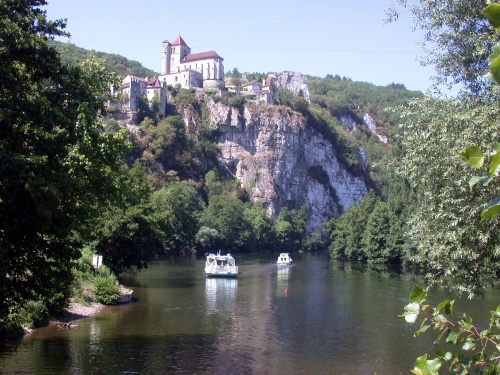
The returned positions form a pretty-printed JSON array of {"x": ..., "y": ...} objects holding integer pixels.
[{"x": 278, "y": 158}]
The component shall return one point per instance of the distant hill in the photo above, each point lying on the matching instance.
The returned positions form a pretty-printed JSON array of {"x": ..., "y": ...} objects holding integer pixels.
[
  {"x": 343, "y": 96},
  {"x": 73, "y": 55}
]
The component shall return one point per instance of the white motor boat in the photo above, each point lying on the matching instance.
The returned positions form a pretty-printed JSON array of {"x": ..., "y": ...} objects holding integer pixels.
[
  {"x": 284, "y": 259},
  {"x": 218, "y": 265}
]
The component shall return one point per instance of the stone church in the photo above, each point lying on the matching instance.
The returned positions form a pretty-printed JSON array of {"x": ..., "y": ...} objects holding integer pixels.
[{"x": 181, "y": 68}]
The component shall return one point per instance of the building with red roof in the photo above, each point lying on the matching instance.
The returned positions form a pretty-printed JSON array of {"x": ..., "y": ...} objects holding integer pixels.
[{"x": 181, "y": 68}]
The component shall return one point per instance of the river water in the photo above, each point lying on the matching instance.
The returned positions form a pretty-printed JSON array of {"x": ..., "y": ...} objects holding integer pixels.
[{"x": 319, "y": 316}]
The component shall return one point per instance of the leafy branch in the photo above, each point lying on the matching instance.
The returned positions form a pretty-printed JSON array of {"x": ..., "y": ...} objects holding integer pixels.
[
  {"x": 462, "y": 334},
  {"x": 475, "y": 158},
  {"x": 473, "y": 155}
]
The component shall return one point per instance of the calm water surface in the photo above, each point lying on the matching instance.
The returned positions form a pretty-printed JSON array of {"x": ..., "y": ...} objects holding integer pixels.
[{"x": 337, "y": 318}]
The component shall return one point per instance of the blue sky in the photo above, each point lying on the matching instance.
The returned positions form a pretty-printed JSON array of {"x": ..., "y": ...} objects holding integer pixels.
[{"x": 315, "y": 37}]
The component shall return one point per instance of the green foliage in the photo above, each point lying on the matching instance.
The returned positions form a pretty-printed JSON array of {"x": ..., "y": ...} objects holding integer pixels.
[
  {"x": 346, "y": 148},
  {"x": 456, "y": 248},
  {"x": 375, "y": 242},
  {"x": 186, "y": 98},
  {"x": 375, "y": 230},
  {"x": 128, "y": 234},
  {"x": 219, "y": 183},
  {"x": 290, "y": 229},
  {"x": 348, "y": 98},
  {"x": 56, "y": 163},
  {"x": 474, "y": 157},
  {"x": 259, "y": 228},
  {"x": 469, "y": 247},
  {"x": 207, "y": 238},
  {"x": 457, "y": 41},
  {"x": 224, "y": 213},
  {"x": 314, "y": 242},
  {"x": 30, "y": 314},
  {"x": 106, "y": 290},
  {"x": 462, "y": 346},
  {"x": 346, "y": 232},
  {"x": 283, "y": 97},
  {"x": 238, "y": 102},
  {"x": 73, "y": 55},
  {"x": 177, "y": 209}
]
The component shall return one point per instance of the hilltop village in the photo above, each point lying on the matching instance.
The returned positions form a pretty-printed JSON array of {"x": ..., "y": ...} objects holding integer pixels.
[{"x": 182, "y": 69}]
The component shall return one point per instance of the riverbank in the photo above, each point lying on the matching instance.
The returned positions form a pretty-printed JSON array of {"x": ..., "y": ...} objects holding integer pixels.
[{"x": 77, "y": 311}]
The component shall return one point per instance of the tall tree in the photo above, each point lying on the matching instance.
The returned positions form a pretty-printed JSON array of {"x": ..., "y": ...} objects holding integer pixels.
[
  {"x": 225, "y": 214},
  {"x": 55, "y": 163},
  {"x": 290, "y": 228},
  {"x": 457, "y": 40},
  {"x": 375, "y": 239},
  {"x": 127, "y": 233},
  {"x": 178, "y": 210},
  {"x": 457, "y": 249},
  {"x": 346, "y": 232}
]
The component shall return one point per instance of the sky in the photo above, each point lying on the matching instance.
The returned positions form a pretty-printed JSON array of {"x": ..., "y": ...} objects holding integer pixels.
[{"x": 313, "y": 37}]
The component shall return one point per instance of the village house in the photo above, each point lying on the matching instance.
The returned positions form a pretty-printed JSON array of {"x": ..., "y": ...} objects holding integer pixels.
[{"x": 251, "y": 88}]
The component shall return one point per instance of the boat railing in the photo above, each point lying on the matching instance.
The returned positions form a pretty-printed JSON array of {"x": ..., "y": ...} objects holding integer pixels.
[{"x": 225, "y": 268}]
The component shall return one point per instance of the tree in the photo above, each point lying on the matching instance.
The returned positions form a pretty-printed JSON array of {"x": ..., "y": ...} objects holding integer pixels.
[
  {"x": 56, "y": 165},
  {"x": 456, "y": 248},
  {"x": 206, "y": 237},
  {"x": 259, "y": 227},
  {"x": 463, "y": 333},
  {"x": 346, "y": 232},
  {"x": 290, "y": 228},
  {"x": 375, "y": 239},
  {"x": 457, "y": 41},
  {"x": 127, "y": 233},
  {"x": 224, "y": 213},
  {"x": 178, "y": 210}
]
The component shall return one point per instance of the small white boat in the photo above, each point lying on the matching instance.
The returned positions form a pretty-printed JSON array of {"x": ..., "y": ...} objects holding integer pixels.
[
  {"x": 218, "y": 265},
  {"x": 284, "y": 258}
]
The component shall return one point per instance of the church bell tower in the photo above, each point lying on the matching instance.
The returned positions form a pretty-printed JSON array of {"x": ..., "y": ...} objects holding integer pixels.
[{"x": 165, "y": 57}]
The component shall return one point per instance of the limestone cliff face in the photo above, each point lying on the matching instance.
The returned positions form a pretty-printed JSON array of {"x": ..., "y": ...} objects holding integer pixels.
[
  {"x": 294, "y": 82},
  {"x": 278, "y": 158}
]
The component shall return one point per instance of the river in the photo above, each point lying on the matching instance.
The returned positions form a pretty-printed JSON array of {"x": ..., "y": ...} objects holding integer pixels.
[{"x": 319, "y": 316}]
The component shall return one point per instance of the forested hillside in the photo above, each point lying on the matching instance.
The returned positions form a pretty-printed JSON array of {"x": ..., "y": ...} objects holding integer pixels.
[
  {"x": 166, "y": 152},
  {"x": 345, "y": 97},
  {"x": 75, "y": 183},
  {"x": 74, "y": 55}
]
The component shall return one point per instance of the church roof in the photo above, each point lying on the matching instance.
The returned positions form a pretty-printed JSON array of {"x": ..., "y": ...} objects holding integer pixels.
[
  {"x": 179, "y": 42},
  {"x": 201, "y": 56}
]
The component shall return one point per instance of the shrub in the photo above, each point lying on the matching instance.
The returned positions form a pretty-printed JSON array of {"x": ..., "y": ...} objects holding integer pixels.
[{"x": 106, "y": 290}]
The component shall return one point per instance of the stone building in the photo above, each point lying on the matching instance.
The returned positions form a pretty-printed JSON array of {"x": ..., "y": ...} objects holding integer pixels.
[
  {"x": 132, "y": 88},
  {"x": 181, "y": 68}
]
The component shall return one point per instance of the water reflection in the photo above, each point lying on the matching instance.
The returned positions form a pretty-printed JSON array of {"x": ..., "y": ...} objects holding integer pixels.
[
  {"x": 338, "y": 318},
  {"x": 220, "y": 294},
  {"x": 95, "y": 338},
  {"x": 283, "y": 276}
]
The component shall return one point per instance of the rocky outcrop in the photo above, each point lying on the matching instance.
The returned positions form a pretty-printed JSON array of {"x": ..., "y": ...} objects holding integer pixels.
[
  {"x": 294, "y": 82},
  {"x": 372, "y": 125},
  {"x": 279, "y": 159},
  {"x": 370, "y": 122},
  {"x": 348, "y": 122}
]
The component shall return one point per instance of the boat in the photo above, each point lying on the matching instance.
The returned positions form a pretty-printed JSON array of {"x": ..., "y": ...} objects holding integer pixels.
[
  {"x": 218, "y": 265},
  {"x": 284, "y": 258}
]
